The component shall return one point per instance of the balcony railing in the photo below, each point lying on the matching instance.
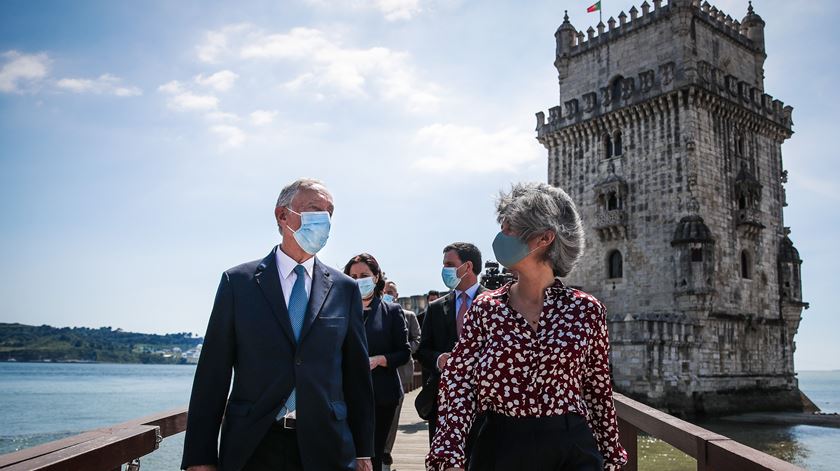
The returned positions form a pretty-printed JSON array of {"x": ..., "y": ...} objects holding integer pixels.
[{"x": 107, "y": 449}]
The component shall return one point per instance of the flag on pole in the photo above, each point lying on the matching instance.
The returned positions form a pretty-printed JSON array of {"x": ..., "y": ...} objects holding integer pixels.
[{"x": 593, "y": 8}]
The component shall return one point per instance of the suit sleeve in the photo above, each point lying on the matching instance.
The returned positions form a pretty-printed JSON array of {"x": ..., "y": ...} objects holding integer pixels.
[
  {"x": 413, "y": 333},
  {"x": 427, "y": 354},
  {"x": 211, "y": 382},
  {"x": 358, "y": 387},
  {"x": 400, "y": 349}
]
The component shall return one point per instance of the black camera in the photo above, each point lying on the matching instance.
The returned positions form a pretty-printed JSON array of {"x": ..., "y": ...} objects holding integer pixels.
[{"x": 494, "y": 277}]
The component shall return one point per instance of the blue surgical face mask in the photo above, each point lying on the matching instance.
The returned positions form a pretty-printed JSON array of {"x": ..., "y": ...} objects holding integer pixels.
[
  {"x": 366, "y": 286},
  {"x": 314, "y": 230},
  {"x": 387, "y": 298},
  {"x": 510, "y": 250},
  {"x": 450, "y": 276}
]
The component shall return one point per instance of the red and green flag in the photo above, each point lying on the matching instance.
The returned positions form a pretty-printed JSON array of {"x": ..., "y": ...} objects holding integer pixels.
[{"x": 593, "y": 8}]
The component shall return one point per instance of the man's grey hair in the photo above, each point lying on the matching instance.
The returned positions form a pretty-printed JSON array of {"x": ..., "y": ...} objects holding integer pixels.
[
  {"x": 533, "y": 208},
  {"x": 289, "y": 192}
]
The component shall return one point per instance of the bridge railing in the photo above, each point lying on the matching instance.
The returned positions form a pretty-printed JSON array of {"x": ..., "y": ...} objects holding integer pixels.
[{"x": 109, "y": 448}]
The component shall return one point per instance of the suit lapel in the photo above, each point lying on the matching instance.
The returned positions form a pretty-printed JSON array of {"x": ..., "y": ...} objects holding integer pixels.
[
  {"x": 449, "y": 311},
  {"x": 268, "y": 279},
  {"x": 321, "y": 284}
]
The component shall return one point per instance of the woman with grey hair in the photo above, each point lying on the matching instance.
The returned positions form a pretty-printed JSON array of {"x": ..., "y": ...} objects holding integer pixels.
[{"x": 533, "y": 357}]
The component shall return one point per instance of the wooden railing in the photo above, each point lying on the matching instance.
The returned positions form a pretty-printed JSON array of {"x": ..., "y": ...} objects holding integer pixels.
[
  {"x": 711, "y": 450},
  {"x": 107, "y": 449}
]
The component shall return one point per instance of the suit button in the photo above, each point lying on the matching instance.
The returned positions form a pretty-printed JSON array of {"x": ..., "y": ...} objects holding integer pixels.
[{"x": 298, "y": 362}]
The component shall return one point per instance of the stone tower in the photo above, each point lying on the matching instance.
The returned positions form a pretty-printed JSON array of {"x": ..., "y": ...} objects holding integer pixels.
[{"x": 671, "y": 148}]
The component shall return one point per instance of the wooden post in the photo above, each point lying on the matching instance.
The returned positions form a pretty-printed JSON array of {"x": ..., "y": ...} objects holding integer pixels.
[{"x": 628, "y": 435}]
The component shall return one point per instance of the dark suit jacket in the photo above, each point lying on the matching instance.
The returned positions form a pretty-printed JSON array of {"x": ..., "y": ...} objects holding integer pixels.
[
  {"x": 439, "y": 332},
  {"x": 387, "y": 335},
  {"x": 250, "y": 333}
]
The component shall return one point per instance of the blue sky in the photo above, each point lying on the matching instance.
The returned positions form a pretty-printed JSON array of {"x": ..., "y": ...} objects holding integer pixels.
[{"x": 144, "y": 144}]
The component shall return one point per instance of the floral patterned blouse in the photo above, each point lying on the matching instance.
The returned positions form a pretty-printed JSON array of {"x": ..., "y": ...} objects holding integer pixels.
[{"x": 500, "y": 364}]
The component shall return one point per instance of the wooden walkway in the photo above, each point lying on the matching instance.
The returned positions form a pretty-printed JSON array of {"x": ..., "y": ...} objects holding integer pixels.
[{"x": 412, "y": 442}]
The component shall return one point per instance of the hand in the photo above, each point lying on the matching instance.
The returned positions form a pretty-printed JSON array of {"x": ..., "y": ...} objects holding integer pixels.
[
  {"x": 378, "y": 360},
  {"x": 203, "y": 467},
  {"x": 441, "y": 361},
  {"x": 364, "y": 465}
]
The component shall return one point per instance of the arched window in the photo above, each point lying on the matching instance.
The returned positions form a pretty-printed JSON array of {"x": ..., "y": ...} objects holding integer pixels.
[
  {"x": 608, "y": 147},
  {"x": 615, "y": 264},
  {"x": 746, "y": 265},
  {"x": 612, "y": 201},
  {"x": 617, "y": 149},
  {"x": 739, "y": 144}
]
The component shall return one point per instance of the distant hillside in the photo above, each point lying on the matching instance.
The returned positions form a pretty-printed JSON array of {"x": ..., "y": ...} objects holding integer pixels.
[{"x": 30, "y": 343}]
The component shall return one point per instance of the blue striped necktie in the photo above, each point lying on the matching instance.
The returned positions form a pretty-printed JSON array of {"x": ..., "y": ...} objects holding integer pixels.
[{"x": 297, "y": 311}]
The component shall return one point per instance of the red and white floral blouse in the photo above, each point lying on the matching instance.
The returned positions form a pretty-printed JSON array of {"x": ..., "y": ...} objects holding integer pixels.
[{"x": 500, "y": 364}]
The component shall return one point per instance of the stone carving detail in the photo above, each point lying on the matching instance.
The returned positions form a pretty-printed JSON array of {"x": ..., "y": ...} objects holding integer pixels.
[
  {"x": 589, "y": 102},
  {"x": 667, "y": 72},
  {"x": 627, "y": 86},
  {"x": 571, "y": 107},
  {"x": 606, "y": 96},
  {"x": 646, "y": 81}
]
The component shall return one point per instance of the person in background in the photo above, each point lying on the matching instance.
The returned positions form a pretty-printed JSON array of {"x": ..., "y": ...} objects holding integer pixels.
[
  {"x": 533, "y": 358},
  {"x": 387, "y": 344},
  {"x": 445, "y": 316},
  {"x": 292, "y": 329},
  {"x": 433, "y": 295},
  {"x": 406, "y": 371}
]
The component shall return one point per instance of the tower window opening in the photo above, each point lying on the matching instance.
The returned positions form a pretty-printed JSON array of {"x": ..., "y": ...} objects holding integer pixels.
[
  {"x": 612, "y": 202},
  {"x": 696, "y": 255},
  {"x": 746, "y": 265},
  {"x": 615, "y": 265},
  {"x": 608, "y": 147},
  {"x": 617, "y": 148}
]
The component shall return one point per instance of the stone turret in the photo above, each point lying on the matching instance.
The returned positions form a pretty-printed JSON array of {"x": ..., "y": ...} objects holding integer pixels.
[
  {"x": 752, "y": 26},
  {"x": 565, "y": 36}
]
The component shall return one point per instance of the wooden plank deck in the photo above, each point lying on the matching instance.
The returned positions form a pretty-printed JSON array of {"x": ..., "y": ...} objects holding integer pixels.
[{"x": 412, "y": 442}]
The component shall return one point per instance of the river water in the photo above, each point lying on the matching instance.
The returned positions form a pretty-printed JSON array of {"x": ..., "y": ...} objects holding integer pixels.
[{"x": 40, "y": 402}]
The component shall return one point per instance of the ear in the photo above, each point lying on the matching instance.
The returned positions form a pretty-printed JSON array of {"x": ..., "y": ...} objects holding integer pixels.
[
  {"x": 547, "y": 238},
  {"x": 280, "y": 213}
]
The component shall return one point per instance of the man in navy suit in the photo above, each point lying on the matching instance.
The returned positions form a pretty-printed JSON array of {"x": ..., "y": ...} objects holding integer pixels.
[{"x": 292, "y": 330}]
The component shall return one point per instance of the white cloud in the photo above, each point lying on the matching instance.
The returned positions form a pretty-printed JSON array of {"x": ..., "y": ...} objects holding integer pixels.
[
  {"x": 231, "y": 136},
  {"x": 451, "y": 147},
  {"x": 216, "y": 44},
  {"x": 329, "y": 68},
  {"x": 221, "y": 81},
  {"x": 391, "y": 10},
  {"x": 21, "y": 70},
  {"x": 103, "y": 85},
  {"x": 262, "y": 117},
  {"x": 182, "y": 99}
]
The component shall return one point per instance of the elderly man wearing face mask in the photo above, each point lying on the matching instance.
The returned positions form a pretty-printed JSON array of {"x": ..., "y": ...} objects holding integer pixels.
[{"x": 292, "y": 329}]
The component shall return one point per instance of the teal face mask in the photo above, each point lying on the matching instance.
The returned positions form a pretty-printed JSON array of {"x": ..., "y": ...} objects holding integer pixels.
[
  {"x": 314, "y": 230},
  {"x": 366, "y": 286},
  {"x": 510, "y": 250},
  {"x": 387, "y": 298},
  {"x": 450, "y": 276}
]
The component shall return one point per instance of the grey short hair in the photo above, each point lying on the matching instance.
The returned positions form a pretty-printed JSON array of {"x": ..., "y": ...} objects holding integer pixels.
[
  {"x": 289, "y": 191},
  {"x": 533, "y": 208}
]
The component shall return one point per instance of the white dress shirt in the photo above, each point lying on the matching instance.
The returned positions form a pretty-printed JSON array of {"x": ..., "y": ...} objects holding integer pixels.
[{"x": 286, "y": 266}]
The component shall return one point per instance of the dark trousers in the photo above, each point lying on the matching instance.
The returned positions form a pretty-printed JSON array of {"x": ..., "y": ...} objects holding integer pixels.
[
  {"x": 557, "y": 443},
  {"x": 278, "y": 451},
  {"x": 384, "y": 417}
]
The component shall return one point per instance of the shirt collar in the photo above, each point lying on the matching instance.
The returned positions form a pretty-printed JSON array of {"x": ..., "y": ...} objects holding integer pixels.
[
  {"x": 470, "y": 291},
  {"x": 286, "y": 265}
]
